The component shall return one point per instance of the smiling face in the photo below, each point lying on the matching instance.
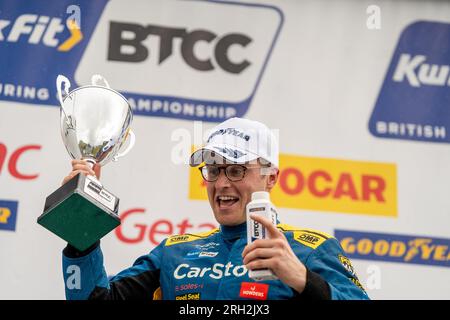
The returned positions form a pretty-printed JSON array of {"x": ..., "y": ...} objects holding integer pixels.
[{"x": 229, "y": 199}]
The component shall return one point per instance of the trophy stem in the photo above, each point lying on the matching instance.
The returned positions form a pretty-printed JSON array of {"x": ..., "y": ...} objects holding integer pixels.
[{"x": 91, "y": 162}]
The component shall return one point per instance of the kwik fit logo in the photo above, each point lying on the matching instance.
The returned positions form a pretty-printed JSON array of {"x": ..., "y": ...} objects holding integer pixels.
[
  {"x": 414, "y": 100},
  {"x": 395, "y": 248},
  {"x": 195, "y": 60},
  {"x": 40, "y": 29},
  {"x": 39, "y": 40}
]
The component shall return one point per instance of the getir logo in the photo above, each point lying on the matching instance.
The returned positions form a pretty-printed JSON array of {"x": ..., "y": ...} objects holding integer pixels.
[
  {"x": 327, "y": 185},
  {"x": 201, "y": 60},
  {"x": 415, "y": 95},
  {"x": 395, "y": 248},
  {"x": 8, "y": 215},
  {"x": 137, "y": 228}
]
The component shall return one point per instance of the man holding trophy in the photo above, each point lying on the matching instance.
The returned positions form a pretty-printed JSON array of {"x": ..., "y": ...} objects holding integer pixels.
[{"x": 212, "y": 265}]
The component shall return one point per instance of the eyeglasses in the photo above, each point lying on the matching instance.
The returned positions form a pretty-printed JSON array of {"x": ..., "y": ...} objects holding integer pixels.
[{"x": 234, "y": 172}]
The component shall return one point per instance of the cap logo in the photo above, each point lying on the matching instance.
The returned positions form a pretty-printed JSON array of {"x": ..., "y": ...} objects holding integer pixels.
[
  {"x": 230, "y": 152},
  {"x": 231, "y": 131}
]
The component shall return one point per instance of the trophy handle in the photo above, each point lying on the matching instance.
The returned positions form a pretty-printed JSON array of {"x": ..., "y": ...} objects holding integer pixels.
[
  {"x": 59, "y": 81},
  {"x": 96, "y": 79},
  {"x": 129, "y": 147}
]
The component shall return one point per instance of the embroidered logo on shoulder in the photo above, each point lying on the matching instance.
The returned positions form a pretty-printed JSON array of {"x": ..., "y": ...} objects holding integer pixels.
[
  {"x": 307, "y": 237},
  {"x": 347, "y": 264},
  {"x": 189, "y": 237}
]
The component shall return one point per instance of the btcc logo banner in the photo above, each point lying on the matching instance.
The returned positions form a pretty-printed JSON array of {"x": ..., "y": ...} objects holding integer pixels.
[
  {"x": 414, "y": 99},
  {"x": 163, "y": 56},
  {"x": 395, "y": 248},
  {"x": 171, "y": 61}
]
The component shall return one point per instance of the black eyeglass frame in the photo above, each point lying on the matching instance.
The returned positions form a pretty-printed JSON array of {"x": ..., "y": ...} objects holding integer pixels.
[{"x": 226, "y": 172}]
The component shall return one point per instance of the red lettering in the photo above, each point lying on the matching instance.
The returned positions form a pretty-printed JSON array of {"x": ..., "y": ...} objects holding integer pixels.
[
  {"x": 157, "y": 231},
  {"x": 374, "y": 185},
  {"x": 312, "y": 183},
  {"x": 154, "y": 230},
  {"x": 2, "y": 155},
  {"x": 183, "y": 226},
  {"x": 140, "y": 227},
  {"x": 345, "y": 187},
  {"x": 300, "y": 181},
  {"x": 12, "y": 166},
  {"x": 12, "y": 162}
]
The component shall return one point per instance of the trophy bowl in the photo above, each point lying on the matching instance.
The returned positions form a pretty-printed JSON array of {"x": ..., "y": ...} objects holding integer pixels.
[{"x": 95, "y": 123}]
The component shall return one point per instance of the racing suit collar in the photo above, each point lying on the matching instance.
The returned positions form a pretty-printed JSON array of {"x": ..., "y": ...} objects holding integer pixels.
[{"x": 234, "y": 232}]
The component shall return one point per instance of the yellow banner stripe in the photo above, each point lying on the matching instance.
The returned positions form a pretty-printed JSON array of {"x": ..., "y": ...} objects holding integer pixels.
[{"x": 332, "y": 185}]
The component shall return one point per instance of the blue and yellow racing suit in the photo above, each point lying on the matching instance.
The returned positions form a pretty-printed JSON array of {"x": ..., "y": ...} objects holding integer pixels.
[{"x": 209, "y": 266}]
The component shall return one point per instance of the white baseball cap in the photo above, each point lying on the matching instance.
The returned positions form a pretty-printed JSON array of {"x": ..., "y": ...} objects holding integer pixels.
[{"x": 238, "y": 140}]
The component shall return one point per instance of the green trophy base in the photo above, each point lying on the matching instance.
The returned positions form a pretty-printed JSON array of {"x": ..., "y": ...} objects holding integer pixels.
[{"x": 80, "y": 212}]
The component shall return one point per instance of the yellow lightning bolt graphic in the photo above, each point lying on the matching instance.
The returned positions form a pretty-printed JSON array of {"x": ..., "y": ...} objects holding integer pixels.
[{"x": 75, "y": 36}]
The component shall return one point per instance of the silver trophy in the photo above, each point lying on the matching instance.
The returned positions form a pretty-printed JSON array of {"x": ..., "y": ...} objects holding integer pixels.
[{"x": 95, "y": 124}]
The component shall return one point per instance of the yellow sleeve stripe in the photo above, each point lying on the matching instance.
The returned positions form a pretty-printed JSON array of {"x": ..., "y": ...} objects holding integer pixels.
[
  {"x": 189, "y": 237},
  {"x": 308, "y": 237}
]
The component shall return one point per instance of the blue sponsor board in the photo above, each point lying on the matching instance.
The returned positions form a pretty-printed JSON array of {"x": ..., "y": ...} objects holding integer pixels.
[
  {"x": 8, "y": 215},
  {"x": 413, "y": 103},
  {"x": 38, "y": 41},
  {"x": 185, "y": 108},
  {"x": 395, "y": 248}
]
